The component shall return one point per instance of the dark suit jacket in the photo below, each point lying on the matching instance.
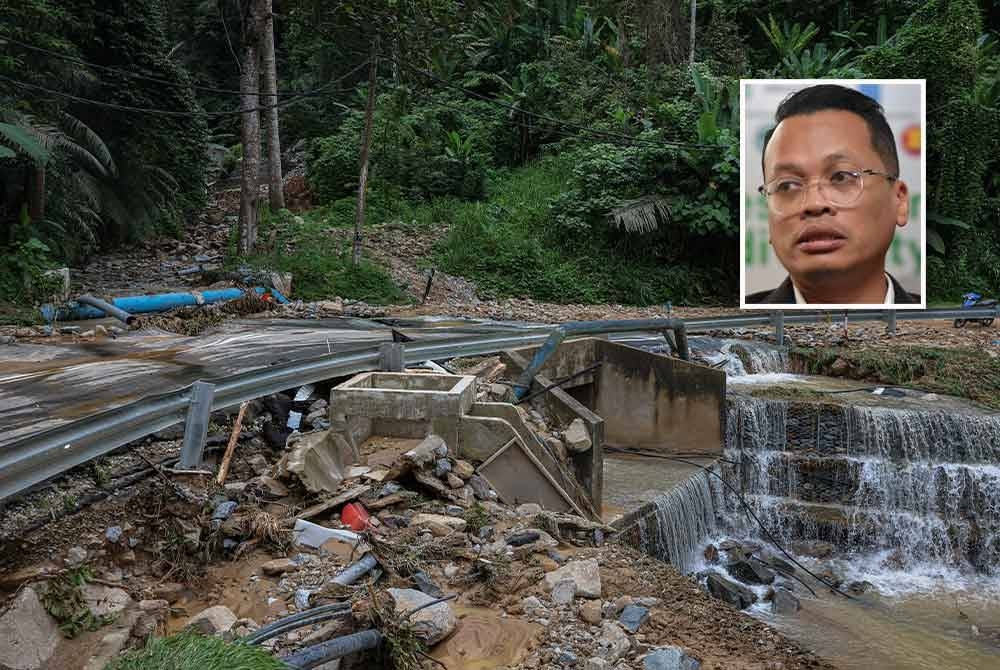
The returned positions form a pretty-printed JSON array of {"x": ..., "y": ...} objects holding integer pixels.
[{"x": 785, "y": 294}]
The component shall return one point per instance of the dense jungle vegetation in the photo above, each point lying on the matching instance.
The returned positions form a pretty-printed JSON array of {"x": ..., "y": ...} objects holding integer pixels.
[{"x": 573, "y": 151}]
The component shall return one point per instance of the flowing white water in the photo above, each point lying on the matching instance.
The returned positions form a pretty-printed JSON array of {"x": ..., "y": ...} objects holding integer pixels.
[{"x": 684, "y": 517}]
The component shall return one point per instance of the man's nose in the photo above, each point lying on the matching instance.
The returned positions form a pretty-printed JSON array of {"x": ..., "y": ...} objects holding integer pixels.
[{"x": 814, "y": 203}]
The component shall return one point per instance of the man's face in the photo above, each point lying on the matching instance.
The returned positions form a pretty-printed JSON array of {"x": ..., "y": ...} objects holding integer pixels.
[{"x": 819, "y": 240}]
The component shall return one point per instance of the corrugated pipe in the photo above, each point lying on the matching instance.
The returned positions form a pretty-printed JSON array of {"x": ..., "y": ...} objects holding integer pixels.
[
  {"x": 150, "y": 304},
  {"x": 523, "y": 383},
  {"x": 353, "y": 573},
  {"x": 310, "y": 657},
  {"x": 298, "y": 620},
  {"x": 107, "y": 308}
]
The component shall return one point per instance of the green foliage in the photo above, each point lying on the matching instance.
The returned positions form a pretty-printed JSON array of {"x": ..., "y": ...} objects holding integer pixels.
[
  {"x": 24, "y": 259},
  {"x": 62, "y": 597},
  {"x": 187, "y": 651},
  {"x": 319, "y": 260}
]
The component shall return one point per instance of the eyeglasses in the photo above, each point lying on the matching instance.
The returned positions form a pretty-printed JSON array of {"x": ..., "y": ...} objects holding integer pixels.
[{"x": 840, "y": 188}]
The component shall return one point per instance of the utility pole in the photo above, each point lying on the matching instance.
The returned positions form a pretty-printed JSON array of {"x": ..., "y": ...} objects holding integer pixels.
[
  {"x": 366, "y": 142},
  {"x": 253, "y": 24},
  {"x": 269, "y": 89},
  {"x": 694, "y": 14}
]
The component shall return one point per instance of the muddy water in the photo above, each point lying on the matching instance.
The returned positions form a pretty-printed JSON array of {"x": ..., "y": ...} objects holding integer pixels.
[
  {"x": 945, "y": 627},
  {"x": 484, "y": 640}
]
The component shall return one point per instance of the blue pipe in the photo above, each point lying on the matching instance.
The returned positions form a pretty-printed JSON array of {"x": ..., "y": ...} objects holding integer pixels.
[
  {"x": 148, "y": 304},
  {"x": 555, "y": 338}
]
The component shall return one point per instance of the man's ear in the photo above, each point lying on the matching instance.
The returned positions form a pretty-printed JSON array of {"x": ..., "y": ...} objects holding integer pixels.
[{"x": 902, "y": 194}]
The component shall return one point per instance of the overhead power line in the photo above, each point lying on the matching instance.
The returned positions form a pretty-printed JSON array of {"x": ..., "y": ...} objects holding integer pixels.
[
  {"x": 174, "y": 112},
  {"x": 143, "y": 77}
]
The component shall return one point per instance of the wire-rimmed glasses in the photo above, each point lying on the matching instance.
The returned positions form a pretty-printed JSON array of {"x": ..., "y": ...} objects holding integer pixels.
[{"x": 841, "y": 188}]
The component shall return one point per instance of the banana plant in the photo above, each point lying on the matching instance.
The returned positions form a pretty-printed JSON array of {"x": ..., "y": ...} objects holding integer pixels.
[{"x": 788, "y": 39}]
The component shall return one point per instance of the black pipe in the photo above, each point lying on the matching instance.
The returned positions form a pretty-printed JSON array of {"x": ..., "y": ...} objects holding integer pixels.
[
  {"x": 318, "y": 654},
  {"x": 107, "y": 308}
]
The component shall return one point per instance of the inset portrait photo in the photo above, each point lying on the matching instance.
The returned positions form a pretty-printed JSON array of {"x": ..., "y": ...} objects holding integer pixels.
[{"x": 831, "y": 213}]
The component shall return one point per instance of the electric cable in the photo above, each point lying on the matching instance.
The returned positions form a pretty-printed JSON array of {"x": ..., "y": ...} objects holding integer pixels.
[
  {"x": 143, "y": 77},
  {"x": 750, "y": 513}
]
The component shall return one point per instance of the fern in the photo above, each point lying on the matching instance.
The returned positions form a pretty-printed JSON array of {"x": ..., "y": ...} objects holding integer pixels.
[
  {"x": 642, "y": 215},
  {"x": 21, "y": 141}
]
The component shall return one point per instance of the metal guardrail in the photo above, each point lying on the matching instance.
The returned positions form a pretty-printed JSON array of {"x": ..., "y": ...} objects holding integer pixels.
[{"x": 36, "y": 458}]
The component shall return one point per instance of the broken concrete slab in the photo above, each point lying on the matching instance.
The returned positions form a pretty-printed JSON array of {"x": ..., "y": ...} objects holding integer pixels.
[
  {"x": 313, "y": 535},
  {"x": 404, "y": 396},
  {"x": 28, "y": 635},
  {"x": 320, "y": 459},
  {"x": 452, "y": 523},
  {"x": 585, "y": 574},
  {"x": 577, "y": 438},
  {"x": 432, "y": 623}
]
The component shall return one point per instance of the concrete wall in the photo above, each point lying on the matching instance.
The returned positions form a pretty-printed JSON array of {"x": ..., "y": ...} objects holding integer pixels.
[
  {"x": 645, "y": 400},
  {"x": 655, "y": 402}
]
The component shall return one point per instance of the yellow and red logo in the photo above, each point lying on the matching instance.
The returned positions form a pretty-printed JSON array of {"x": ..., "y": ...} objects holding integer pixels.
[{"x": 911, "y": 140}]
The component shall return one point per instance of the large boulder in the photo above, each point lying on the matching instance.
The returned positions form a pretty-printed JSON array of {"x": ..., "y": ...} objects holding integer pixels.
[
  {"x": 784, "y": 602},
  {"x": 106, "y": 601},
  {"x": 729, "y": 591},
  {"x": 432, "y": 624},
  {"x": 28, "y": 635},
  {"x": 750, "y": 571},
  {"x": 213, "y": 621},
  {"x": 586, "y": 575}
]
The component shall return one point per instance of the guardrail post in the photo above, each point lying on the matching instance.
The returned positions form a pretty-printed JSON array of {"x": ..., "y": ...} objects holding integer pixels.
[
  {"x": 196, "y": 426},
  {"x": 778, "y": 319},
  {"x": 890, "y": 318},
  {"x": 391, "y": 356}
]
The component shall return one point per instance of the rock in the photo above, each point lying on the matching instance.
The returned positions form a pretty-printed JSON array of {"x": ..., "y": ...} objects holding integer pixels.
[
  {"x": 213, "y": 621},
  {"x": 529, "y": 509},
  {"x": 101, "y": 330},
  {"x": 752, "y": 572},
  {"x": 431, "y": 624},
  {"x": 302, "y": 598},
  {"x": 622, "y": 602},
  {"x": 784, "y": 602},
  {"x": 28, "y": 635},
  {"x": 76, "y": 556},
  {"x": 441, "y": 468},
  {"x": 567, "y": 659},
  {"x": 729, "y": 591},
  {"x": 711, "y": 554},
  {"x": 426, "y": 585},
  {"x": 522, "y": 537},
  {"x": 556, "y": 556},
  {"x": 586, "y": 574},
  {"x": 113, "y": 534},
  {"x": 269, "y": 485},
  {"x": 110, "y": 647},
  {"x": 532, "y": 606},
  {"x": 839, "y": 368},
  {"x": 424, "y": 454},
  {"x": 576, "y": 437},
  {"x": 563, "y": 592},
  {"x": 430, "y": 521},
  {"x": 259, "y": 464},
  {"x": 669, "y": 658},
  {"x": 596, "y": 663},
  {"x": 454, "y": 481},
  {"x": 463, "y": 469},
  {"x": 501, "y": 393},
  {"x": 647, "y": 601},
  {"x": 224, "y": 510},
  {"x": 106, "y": 601},
  {"x": 632, "y": 617},
  {"x": 451, "y": 570},
  {"x": 590, "y": 611},
  {"x": 857, "y": 588},
  {"x": 613, "y": 642},
  {"x": 813, "y": 548},
  {"x": 779, "y": 564},
  {"x": 481, "y": 489},
  {"x": 727, "y": 545},
  {"x": 279, "y": 566}
]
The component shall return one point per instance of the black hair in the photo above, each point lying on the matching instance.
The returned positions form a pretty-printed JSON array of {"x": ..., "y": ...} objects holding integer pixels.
[{"x": 831, "y": 96}]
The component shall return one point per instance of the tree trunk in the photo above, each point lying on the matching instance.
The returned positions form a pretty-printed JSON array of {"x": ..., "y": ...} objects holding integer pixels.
[
  {"x": 36, "y": 193},
  {"x": 694, "y": 14},
  {"x": 366, "y": 142},
  {"x": 250, "y": 100},
  {"x": 269, "y": 88}
]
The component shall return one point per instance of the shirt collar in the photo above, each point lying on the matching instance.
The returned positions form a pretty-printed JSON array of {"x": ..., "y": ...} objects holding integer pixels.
[{"x": 890, "y": 293}]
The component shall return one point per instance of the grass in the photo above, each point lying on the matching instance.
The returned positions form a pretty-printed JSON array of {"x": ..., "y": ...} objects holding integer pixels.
[
  {"x": 320, "y": 263},
  {"x": 510, "y": 247},
  {"x": 962, "y": 372},
  {"x": 188, "y": 651}
]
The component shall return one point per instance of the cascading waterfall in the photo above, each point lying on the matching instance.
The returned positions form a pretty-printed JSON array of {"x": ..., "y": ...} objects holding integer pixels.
[
  {"x": 683, "y": 518},
  {"x": 924, "y": 483},
  {"x": 740, "y": 357}
]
